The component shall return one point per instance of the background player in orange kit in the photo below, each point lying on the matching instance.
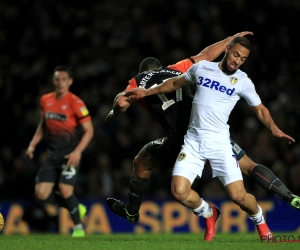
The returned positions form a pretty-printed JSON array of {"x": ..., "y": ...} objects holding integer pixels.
[{"x": 62, "y": 113}]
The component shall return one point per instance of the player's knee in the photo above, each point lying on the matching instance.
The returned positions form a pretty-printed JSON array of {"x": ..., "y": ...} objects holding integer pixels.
[
  {"x": 41, "y": 194},
  {"x": 42, "y": 191},
  {"x": 138, "y": 163},
  {"x": 239, "y": 198},
  {"x": 142, "y": 167},
  {"x": 65, "y": 190},
  {"x": 246, "y": 165},
  {"x": 247, "y": 168},
  {"x": 180, "y": 193}
]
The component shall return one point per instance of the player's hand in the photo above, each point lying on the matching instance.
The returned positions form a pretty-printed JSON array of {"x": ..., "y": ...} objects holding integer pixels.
[
  {"x": 243, "y": 33},
  {"x": 280, "y": 134},
  {"x": 30, "y": 152},
  {"x": 136, "y": 93},
  {"x": 73, "y": 159}
]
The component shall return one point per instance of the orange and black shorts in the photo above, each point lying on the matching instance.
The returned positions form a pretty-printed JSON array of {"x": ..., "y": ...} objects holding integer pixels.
[{"x": 56, "y": 171}]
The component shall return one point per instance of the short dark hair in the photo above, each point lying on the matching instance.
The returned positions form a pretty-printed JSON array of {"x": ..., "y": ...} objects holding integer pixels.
[
  {"x": 63, "y": 68},
  {"x": 149, "y": 63},
  {"x": 242, "y": 41}
]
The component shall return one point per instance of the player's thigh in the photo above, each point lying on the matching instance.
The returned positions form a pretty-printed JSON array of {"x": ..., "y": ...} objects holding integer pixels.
[
  {"x": 189, "y": 163},
  {"x": 43, "y": 189},
  {"x": 48, "y": 172},
  {"x": 236, "y": 190},
  {"x": 222, "y": 160},
  {"x": 162, "y": 154},
  {"x": 144, "y": 160},
  {"x": 181, "y": 184},
  {"x": 66, "y": 190},
  {"x": 246, "y": 165}
]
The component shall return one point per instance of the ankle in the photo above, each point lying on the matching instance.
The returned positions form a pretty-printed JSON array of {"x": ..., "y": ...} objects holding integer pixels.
[
  {"x": 132, "y": 209},
  {"x": 78, "y": 226}
]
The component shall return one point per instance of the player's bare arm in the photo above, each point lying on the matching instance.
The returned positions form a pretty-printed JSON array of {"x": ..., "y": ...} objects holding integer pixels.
[
  {"x": 37, "y": 137},
  {"x": 264, "y": 116},
  {"x": 75, "y": 156},
  {"x": 211, "y": 52},
  {"x": 120, "y": 105},
  {"x": 172, "y": 84}
]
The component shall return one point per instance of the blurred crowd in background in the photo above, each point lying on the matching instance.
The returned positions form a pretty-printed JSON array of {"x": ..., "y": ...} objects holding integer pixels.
[{"x": 104, "y": 42}]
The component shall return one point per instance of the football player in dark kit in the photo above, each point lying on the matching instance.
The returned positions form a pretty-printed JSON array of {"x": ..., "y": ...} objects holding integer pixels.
[
  {"x": 62, "y": 112},
  {"x": 172, "y": 111}
]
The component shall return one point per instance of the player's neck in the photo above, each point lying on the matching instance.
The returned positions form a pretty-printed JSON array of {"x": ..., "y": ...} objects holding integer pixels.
[{"x": 59, "y": 96}]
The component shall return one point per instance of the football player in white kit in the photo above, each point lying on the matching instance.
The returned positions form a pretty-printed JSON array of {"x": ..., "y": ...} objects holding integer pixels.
[{"x": 218, "y": 87}]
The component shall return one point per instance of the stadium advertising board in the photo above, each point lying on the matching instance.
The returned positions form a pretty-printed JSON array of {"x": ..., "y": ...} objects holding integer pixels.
[{"x": 158, "y": 216}]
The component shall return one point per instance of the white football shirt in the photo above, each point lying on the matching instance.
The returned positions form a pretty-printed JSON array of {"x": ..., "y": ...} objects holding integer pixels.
[{"x": 215, "y": 97}]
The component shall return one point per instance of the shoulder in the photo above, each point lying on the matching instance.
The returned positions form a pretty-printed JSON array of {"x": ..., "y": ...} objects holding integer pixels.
[
  {"x": 167, "y": 70},
  {"x": 206, "y": 64},
  {"x": 241, "y": 74},
  {"x": 47, "y": 97},
  {"x": 182, "y": 65},
  {"x": 74, "y": 98},
  {"x": 132, "y": 83}
]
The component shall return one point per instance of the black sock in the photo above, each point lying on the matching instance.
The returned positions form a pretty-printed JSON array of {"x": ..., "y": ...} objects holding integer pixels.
[
  {"x": 56, "y": 199},
  {"x": 138, "y": 187},
  {"x": 72, "y": 206},
  {"x": 267, "y": 179}
]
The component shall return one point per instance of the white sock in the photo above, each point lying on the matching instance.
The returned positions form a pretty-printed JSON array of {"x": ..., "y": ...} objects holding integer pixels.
[
  {"x": 258, "y": 218},
  {"x": 78, "y": 226},
  {"x": 204, "y": 210}
]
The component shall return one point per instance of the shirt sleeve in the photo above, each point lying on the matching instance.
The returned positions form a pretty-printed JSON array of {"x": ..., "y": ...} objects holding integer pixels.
[
  {"x": 81, "y": 112},
  {"x": 132, "y": 84},
  {"x": 250, "y": 94},
  {"x": 182, "y": 65},
  {"x": 190, "y": 75}
]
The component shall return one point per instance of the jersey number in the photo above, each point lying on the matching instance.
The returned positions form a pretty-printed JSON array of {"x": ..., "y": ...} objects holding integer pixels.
[{"x": 166, "y": 102}]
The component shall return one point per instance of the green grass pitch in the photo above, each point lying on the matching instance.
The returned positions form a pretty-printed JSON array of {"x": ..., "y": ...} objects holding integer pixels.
[{"x": 176, "y": 241}]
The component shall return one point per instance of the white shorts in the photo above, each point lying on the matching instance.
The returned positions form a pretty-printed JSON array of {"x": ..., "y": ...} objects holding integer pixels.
[{"x": 190, "y": 161}]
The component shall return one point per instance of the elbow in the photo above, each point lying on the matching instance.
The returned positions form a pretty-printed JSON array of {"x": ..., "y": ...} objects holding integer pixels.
[
  {"x": 91, "y": 132},
  {"x": 175, "y": 87}
]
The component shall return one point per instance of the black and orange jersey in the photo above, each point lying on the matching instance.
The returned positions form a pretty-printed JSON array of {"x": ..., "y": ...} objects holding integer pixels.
[
  {"x": 171, "y": 110},
  {"x": 61, "y": 119}
]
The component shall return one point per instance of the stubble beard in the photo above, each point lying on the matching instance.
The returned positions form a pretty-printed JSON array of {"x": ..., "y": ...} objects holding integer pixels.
[{"x": 225, "y": 67}]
